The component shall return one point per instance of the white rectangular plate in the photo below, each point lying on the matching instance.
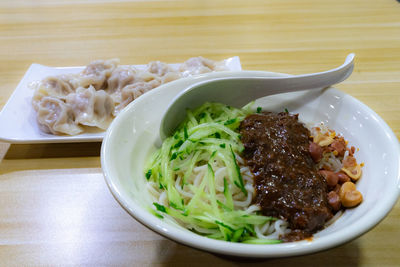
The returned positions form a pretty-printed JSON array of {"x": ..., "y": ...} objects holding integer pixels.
[{"x": 18, "y": 118}]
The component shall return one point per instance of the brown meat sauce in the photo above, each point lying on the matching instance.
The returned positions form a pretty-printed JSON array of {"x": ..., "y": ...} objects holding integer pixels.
[{"x": 287, "y": 182}]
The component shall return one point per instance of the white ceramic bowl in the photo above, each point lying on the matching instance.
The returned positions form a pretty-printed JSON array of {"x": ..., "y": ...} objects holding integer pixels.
[{"x": 134, "y": 134}]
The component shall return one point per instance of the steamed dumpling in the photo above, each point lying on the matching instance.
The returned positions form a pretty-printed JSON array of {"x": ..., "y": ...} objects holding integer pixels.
[
  {"x": 149, "y": 78},
  {"x": 171, "y": 76},
  {"x": 120, "y": 77},
  {"x": 91, "y": 107},
  {"x": 58, "y": 86},
  {"x": 56, "y": 117},
  {"x": 97, "y": 73},
  {"x": 165, "y": 72},
  {"x": 55, "y": 86},
  {"x": 131, "y": 92},
  {"x": 197, "y": 65},
  {"x": 159, "y": 68}
]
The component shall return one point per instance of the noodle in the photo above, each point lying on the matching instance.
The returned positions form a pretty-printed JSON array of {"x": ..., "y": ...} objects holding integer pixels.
[{"x": 199, "y": 180}]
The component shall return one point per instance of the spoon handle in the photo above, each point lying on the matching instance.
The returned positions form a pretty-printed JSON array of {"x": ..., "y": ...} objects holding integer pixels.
[
  {"x": 230, "y": 88},
  {"x": 319, "y": 79},
  {"x": 274, "y": 85},
  {"x": 238, "y": 91}
]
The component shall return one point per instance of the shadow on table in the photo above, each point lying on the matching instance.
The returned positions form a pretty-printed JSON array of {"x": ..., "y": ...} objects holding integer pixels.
[
  {"x": 62, "y": 150},
  {"x": 179, "y": 255}
]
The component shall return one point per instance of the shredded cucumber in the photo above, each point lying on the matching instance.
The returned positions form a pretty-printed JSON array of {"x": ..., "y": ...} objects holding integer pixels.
[{"x": 208, "y": 135}]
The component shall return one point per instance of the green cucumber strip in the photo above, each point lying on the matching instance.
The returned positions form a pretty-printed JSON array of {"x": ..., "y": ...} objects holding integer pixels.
[
  {"x": 223, "y": 206},
  {"x": 191, "y": 118},
  {"x": 168, "y": 175},
  {"x": 235, "y": 145},
  {"x": 185, "y": 131},
  {"x": 238, "y": 174},
  {"x": 224, "y": 156},
  {"x": 165, "y": 150},
  {"x": 206, "y": 129},
  {"x": 180, "y": 216},
  {"x": 158, "y": 215},
  {"x": 225, "y": 226},
  {"x": 213, "y": 154},
  {"x": 185, "y": 146},
  {"x": 155, "y": 213},
  {"x": 228, "y": 195},
  {"x": 190, "y": 167},
  {"x": 178, "y": 144},
  {"x": 174, "y": 197},
  {"x": 159, "y": 207},
  {"x": 240, "y": 217},
  {"x": 211, "y": 189},
  {"x": 247, "y": 109},
  {"x": 198, "y": 192},
  {"x": 153, "y": 161},
  {"x": 148, "y": 174},
  {"x": 173, "y": 156},
  {"x": 237, "y": 234}
]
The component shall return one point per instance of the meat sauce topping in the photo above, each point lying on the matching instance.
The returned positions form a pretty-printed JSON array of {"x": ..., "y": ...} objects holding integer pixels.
[{"x": 287, "y": 182}]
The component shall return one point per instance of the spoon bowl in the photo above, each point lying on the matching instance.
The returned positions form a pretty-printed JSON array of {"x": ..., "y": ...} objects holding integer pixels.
[{"x": 238, "y": 91}]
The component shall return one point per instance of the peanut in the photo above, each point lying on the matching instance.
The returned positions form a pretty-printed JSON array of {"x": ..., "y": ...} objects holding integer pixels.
[
  {"x": 323, "y": 139},
  {"x": 349, "y": 195},
  {"x": 334, "y": 200},
  {"x": 315, "y": 151},
  {"x": 331, "y": 177},
  {"x": 343, "y": 177},
  {"x": 353, "y": 171}
]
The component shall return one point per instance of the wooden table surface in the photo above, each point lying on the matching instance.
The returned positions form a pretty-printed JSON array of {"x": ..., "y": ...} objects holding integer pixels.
[{"x": 55, "y": 206}]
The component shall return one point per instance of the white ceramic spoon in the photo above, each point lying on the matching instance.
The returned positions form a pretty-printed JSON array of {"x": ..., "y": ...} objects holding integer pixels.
[{"x": 237, "y": 92}]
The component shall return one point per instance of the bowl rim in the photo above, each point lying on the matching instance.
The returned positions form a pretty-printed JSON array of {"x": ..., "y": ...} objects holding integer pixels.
[{"x": 239, "y": 249}]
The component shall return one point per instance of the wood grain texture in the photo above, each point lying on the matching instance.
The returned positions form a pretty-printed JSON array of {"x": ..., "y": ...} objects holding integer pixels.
[{"x": 55, "y": 207}]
